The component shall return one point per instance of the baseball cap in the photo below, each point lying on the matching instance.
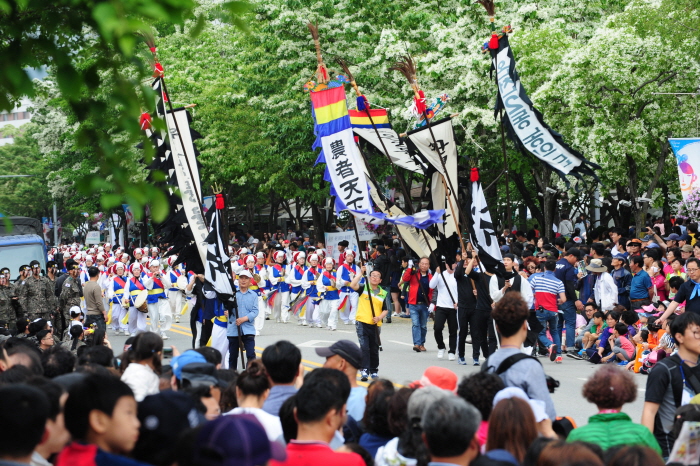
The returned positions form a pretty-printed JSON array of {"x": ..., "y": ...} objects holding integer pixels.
[
  {"x": 200, "y": 374},
  {"x": 684, "y": 238},
  {"x": 620, "y": 257},
  {"x": 537, "y": 406},
  {"x": 687, "y": 248},
  {"x": 673, "y": 237},
  {"x": 652, "y": 246},
  {"x": 236, "y": 440},
  {"x": 647, "y": 238},
  {"x": 244, "y": 273},
  {"x": 635, "y": 241},
  {"x": 188, "y": 357},
  {"x": 346, "y": 349},
  {"x": 439, "y": 377}
]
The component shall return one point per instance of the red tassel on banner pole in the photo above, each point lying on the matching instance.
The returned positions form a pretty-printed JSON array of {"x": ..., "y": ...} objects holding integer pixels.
[
  {"x": 219, "y": 202},
  {"x": 157, "y": 70},
  {"x": 474, "y": 175},
  {"x": 145, "y": 121},
  {"x": 493, "y": 43}
]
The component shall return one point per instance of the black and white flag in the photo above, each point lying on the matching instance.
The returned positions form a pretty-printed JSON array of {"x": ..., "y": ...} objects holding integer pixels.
[
  {"x": 395, "y": 147},
  {"x": 483, "y": 231},
  {"x": 217, "y": 269},
  {"x": 525, "y": 124},
  {"x": 422, "y": 144}
]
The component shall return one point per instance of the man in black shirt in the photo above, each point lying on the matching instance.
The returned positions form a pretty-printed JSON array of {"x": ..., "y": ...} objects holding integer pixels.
[
  {"x": 483, "y": 331},
  {"x": 688, "y": 292},
  {"x": 673, "y": 381},
  {"x": 466, "y": 278}
]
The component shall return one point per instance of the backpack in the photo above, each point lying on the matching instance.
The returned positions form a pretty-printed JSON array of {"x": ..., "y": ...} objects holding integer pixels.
[{"x": 552, "y": 383}]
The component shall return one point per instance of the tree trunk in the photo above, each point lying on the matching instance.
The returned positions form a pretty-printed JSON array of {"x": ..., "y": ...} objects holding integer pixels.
[
  {"x": 297, "y": 207},
  {"x": 528, "y": 199},
  {"x": 652, "y": 186},
  {"x": 633, "y": 185},
  {"x": 318, "y": 221}
]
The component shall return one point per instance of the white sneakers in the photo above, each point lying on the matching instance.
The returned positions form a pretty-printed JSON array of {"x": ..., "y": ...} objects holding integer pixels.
[
  {"x": 450, "y": 356},
  {"x": 441, "y": 353}
]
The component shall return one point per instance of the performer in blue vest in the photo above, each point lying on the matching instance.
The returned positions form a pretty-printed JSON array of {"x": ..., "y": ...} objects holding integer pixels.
[
  {"x": 115, "y": 294},
  {"x": 308, "y": 282},
  {"x": 279, "y": 298},
  {"x": 137, "y": 319},
  {"x": 156, "y": 284},
  {"x": 348, "y": 297},
  {"x": 326, "y": 285}
]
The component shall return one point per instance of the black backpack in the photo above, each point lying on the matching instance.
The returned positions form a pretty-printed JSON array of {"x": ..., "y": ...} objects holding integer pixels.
[{"x": 552, "y": 383}]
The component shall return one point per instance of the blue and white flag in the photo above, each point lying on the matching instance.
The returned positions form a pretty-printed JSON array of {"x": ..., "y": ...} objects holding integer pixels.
[
  {"x": 421, "y": 220},
  {"x": 687, "y": 152}
]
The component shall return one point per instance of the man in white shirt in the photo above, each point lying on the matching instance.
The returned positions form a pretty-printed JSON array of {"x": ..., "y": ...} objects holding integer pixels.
[
  {"x": 446, "y": 309},
  {"x": 499, "y": 286}
]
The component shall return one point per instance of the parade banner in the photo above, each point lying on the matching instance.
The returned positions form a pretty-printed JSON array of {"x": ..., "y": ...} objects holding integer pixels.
[
  {"x": 482, "y": 230},
  {"x": 332, "y": 240},
  {"x": 187, "y": 184},
  {"x": 396, "y": 149},
  {"x": 422, "y": 142},
  {"x": 421, "y": 220},
  {"x": 217, "y": 270},
  {"x": 687, "y": 152},
  {"x": 338, "y": 151},
  {"x": 525, "y": 124}
]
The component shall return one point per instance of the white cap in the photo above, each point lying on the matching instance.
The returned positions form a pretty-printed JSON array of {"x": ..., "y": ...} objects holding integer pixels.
[
  {"x": 154, "y": 263},
  {"x": 75, "y": 309},
  {"x": 250, "y": 259},
  {"x": 245, "y": 273},
  {"x": 537, "y": 406},
  {"x": 313, "y": 257}
]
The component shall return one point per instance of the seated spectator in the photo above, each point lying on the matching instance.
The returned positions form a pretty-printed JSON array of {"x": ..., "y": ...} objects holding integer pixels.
[
  {"x": 252, "y": 389},
  {"x": 23, "y": 414},
  {"x": 346, "y": 356},
  {"x": 100, "y": 415},
  {"x": 511, "y": 431},
  {"x": 56, "y": 435},
  {"x": 622, "y": 348},
  {"x": 449, "y": 427},
  {"x": 376, "y": 419},
  {"x": 320, "y": 412},
  {"x": 479, "y": 389},
  {"x": 233, "y": 441},
  {"x": 165, "y": 418},
  {"x": 57, "y": 361},
  {"x": 609, "y": 389},
  {"x": 282, "y": 361},
  {"x": 143, "y": 365},
  {"x": 553, "y": 453}
]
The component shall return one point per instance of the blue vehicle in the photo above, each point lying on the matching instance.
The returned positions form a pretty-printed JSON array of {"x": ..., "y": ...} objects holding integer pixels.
[{"x": 22, "y": 244}]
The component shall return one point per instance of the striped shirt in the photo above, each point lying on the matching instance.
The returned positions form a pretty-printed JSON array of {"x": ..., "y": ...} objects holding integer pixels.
[{"x": 547, "y": 288}]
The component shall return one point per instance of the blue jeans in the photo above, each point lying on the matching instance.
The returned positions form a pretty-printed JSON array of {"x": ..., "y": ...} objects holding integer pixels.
[
  {"x": 551, "y": 318},
  {"x": 569, "y": 308},
  {"x": 419, "y": 319}
]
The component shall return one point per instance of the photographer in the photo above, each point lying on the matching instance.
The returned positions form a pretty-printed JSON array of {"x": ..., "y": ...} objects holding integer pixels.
[{"x": 515, "y": 368}]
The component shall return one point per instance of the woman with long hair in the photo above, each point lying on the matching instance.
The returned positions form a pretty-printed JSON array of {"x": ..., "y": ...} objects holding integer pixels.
[{"x": 142, "y": 365}]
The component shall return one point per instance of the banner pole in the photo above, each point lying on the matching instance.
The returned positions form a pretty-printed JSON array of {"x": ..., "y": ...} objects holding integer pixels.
[{"x": 509, "y": 218}]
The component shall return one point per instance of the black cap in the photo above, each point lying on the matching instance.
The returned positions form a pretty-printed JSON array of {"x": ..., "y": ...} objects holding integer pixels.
[
  {"x": 573, "y": 252},
  {"x": 199, "y": 374},
  {"x": 23, "y": 267},
  {"x": 346, "y": 349},
  {"x": 35, "y": 263},
  {"x": 4, "y": 270},
  {"x": 71, "y": 264},
  {"x": 50, "y": 264}
]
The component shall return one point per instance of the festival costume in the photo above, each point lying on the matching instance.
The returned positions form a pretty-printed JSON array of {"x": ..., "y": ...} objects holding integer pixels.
[
  {"x": 137, "y": 319},
  {"x": 115, "y": 295},
  {"x": 348, "y": 297},
  {"x": 279, "y": 297},
  {"x": 158, "y": 303},
  {"x": 308, "y": 283},
  {"x": 328, "y": 306},
  {"x": 297, "y": 292},
  {"x": 263, "y": 308}
]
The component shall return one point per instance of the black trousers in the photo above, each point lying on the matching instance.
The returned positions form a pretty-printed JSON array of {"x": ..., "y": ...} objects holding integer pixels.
[
  {"x": 466, "y": 319},
  {"x": 207, "y": 327},
  {"x": 234, "y": 350},
  {"x": 368, "y": 337},
  {"x": 442, "y": 315},
  {"x": 483, "y": 334}
]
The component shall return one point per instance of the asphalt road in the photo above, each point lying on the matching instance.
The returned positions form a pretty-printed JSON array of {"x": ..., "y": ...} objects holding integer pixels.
[{"x": 400, "y": 364}]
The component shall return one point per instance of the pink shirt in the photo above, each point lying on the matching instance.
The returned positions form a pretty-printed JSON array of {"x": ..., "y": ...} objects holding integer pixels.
[
  {"x": 627, "y": 345},
  {"x": 482, "y": 433},
  {"x": 660, "y": 282}
]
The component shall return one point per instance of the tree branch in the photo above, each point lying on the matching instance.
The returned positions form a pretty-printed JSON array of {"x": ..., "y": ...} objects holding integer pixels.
[
  {"x": 641, "y": 109},
  {"x": 613, "y": 89},
  {"x": 670, "y": 76}
]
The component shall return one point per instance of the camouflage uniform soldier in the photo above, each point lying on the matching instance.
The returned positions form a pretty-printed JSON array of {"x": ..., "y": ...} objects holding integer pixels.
[
  {"x": 8, "y": 311},
  {"x": 18, "y": 287},
  {"x": 36, "y": 295},
  {"x": 71, "y": 292}
]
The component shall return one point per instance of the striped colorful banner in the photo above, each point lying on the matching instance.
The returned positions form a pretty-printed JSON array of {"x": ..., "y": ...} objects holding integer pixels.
[
  {"x": 359, "y": 119},
  {"x": 330, "y": 111}
]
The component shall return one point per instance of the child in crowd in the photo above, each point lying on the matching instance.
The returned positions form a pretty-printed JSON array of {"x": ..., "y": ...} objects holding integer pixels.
[
  {"x": 622, "y": 348},
  {"x": 673, "y": 283},
  {"x": 591, "y": 336},
  {"x": 100, "y": 414},
  {"x": 604, "y": 347}
]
